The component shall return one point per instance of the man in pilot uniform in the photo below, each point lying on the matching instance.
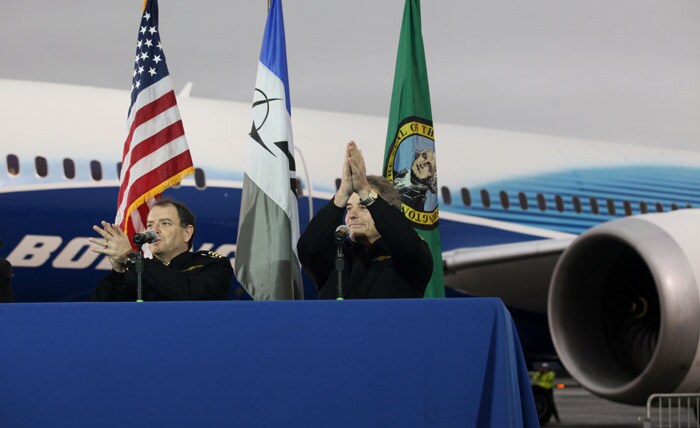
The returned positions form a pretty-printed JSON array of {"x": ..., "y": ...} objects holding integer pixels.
[{"x": 174, "y": 273}]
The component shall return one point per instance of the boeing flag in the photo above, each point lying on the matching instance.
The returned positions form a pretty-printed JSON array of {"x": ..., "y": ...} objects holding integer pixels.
[{"x": 267, "y": 265}]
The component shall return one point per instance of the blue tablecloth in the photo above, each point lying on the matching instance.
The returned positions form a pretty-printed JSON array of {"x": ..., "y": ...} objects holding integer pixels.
[{"x": 379, "y": 363}]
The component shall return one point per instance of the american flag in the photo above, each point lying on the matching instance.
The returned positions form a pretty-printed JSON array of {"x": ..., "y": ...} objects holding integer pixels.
[{"x": 155, "y": 154}]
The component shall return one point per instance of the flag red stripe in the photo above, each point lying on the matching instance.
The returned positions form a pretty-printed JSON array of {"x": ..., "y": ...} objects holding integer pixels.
[
  {"x": 148, "y": 112},
  {"x": 157, "y": 176},
  {"x": 150, "y": 145}
]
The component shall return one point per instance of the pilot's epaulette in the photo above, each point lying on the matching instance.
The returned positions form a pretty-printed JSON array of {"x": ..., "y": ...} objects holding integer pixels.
[{"x": 210, "y": 254}]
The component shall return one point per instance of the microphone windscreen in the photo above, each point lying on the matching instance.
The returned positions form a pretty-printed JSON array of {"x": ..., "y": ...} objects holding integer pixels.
[{"x": 341, "y": 233}]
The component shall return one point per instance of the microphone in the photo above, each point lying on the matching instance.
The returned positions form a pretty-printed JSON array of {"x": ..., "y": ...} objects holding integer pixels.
[
  {"x": 341, "y": 233},
  {"x": 145, "y": 237}
]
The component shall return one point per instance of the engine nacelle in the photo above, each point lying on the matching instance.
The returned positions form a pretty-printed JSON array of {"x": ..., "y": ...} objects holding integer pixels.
[{"x": 624, "y": 306}]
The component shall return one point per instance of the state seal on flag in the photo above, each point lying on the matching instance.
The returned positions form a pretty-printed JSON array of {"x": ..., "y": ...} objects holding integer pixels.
[{"x": 412, "y": 168}]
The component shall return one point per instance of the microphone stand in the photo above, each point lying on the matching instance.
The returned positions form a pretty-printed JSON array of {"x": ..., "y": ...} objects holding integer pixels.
[
  {"x": 138, "y": 267},
  {"x": 339, "y": 266}
]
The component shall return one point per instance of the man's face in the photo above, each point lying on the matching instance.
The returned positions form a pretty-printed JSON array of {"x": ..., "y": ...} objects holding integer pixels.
[
  {"x": 423, "y": 166},
  {"x": 172, "y": 239},
  {"x": 360, "y": 222}
]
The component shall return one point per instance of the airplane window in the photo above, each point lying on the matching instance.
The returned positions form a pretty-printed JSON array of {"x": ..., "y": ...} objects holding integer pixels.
[
  {"x": 611, "y": 207},
  {"x": 594, "y": 206},
  {"x": 69, "y": 168},
  {"x": 119, "y": 169},
  {"x": 199, "y": 179},
  {"x": 659, "y": 207},
  {"x": 12, "y": 165},
  {"x": 485, "y": 198},
  {"x": 643, "y": 207},
  {"x": 42, "y": 166},
  {"x": 628, "y": 208},
  {"x": 541, "y": 202},
  {"x": 559, "y": 202},
  {"x": 505, "y": 203},
  {"x": 466, "y": 197},
  {"x": 96, "y": 170},
  {"x": 576, "y": 202},
  {"x": 446, "y": 195},
  {"x": 523, "y": 200},
  {"x": 674, "y": 207}
]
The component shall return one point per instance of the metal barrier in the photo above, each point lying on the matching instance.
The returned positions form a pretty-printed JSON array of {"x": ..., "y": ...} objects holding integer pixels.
[{"x": 672, "y": 410}]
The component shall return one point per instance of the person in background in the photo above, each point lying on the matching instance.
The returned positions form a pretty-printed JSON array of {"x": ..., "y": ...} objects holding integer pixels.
[{"x": 544, "y": 378}]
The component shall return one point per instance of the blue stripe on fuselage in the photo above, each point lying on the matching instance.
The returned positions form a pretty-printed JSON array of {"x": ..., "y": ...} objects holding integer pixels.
[{"x": 64, "y": 217}]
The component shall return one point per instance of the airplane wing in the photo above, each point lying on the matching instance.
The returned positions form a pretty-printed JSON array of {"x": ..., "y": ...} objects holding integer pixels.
[{"x": 519, "y": 273}]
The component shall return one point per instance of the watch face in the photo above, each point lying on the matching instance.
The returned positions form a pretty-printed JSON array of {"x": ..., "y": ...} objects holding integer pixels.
[{"x": 371, "y": 197}]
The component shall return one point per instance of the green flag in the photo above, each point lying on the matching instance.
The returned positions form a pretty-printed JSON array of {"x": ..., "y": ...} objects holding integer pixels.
[{"x": 409, "y": 158}]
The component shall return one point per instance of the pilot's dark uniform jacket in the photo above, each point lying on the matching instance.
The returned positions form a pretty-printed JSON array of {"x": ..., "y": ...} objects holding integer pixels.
[
  {"x": 398, "y": 264},
  {"x": 5, "y": 282},
  {"x": 204, "y": 275}
]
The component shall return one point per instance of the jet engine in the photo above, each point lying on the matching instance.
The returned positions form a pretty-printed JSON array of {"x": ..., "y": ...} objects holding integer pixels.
[{"x": 624, "y": 306}]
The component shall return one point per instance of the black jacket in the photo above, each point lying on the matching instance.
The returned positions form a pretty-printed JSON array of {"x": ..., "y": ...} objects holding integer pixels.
[
  {"x": 204, "y": 275},
  {"x": 5, "y": 282},
  {"x": 398, "y": 264}
]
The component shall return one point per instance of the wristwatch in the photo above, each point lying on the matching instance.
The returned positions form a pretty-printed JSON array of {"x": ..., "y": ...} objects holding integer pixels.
[{"x": 370, "y": 198}]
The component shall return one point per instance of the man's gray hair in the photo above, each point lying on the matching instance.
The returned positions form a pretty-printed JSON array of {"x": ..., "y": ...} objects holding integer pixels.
[{"x": 386, "y": 190}]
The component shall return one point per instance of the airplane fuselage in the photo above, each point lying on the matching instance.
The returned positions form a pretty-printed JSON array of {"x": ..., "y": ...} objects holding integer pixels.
[{"x": 59, "y": 176}]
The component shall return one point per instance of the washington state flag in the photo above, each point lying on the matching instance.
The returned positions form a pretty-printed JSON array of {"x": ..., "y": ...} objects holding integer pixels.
[{"x": 410, "y": 157}]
